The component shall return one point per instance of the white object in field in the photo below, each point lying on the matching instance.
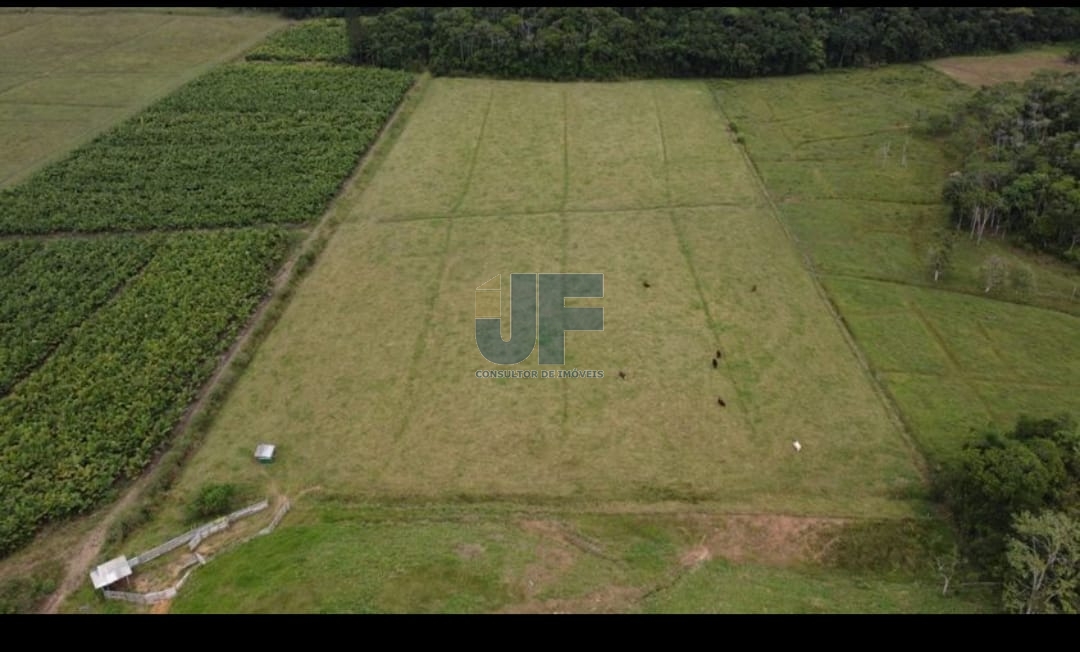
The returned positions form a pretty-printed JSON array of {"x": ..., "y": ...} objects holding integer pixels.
[
  {"x": 797, "y": 445},
  {"x": 264, "y": 452}
]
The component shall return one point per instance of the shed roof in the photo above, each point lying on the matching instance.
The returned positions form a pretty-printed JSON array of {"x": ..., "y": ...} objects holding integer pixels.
[
  {"x": 264, "y": 452},
  {"x": 110, "y": 572}
]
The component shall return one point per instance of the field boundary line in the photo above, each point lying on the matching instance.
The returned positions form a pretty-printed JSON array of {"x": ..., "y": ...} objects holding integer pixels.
[
  {"x": 902, "y": 202},
  {"x": 984, "y": 380},
  {"x": 75, "y": 105},
  {"x": 934, "y": 288},
  {"x": 867, "y": 134},
  {"x": 892, "y": 411},
  {"x": 554, "y": 212},
  {"x": 128, "y": 41},
  {"x": 158, "y": 231},
  {"x": 435, "y": 510},
  {"x": 811, "y": 198}
]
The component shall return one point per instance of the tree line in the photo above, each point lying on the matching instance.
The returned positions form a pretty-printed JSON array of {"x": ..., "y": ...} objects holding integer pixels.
[
  {"x": 1020, "y": 152},
  {"x": 561, "y": 43},
  {"x": 298, "y": 13}
]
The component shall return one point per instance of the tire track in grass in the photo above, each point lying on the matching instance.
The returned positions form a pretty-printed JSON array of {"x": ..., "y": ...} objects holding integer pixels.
[
  {"x": 939, "y": 339},
  {"x": 566, "y": 150},
  {"x": 444, "y": 268},
  {"x": 868, "y": 134},
  {"x": 565, "y": 237},
  {"x": 21, "y": 28},
  {"x": 684, "y": 249},
  {"x": 565, "y": 387},
  {"x": 975, "y": 378},
  {"x": 421, "y": 338},
  {"x": 569, "y": 211},
  {"x": 475, "y": 154}
]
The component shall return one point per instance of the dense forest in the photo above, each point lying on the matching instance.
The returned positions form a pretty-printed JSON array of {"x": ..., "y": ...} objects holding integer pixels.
[
  {"x": 1020, "y": 147},
  {"x": 562, "y": 43}
]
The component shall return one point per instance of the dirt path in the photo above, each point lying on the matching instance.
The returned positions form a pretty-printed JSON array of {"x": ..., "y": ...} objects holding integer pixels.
[{"x": 79, "y": 564}]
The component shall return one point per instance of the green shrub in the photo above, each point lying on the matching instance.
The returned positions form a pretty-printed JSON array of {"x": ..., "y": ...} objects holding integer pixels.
[
  {"x": 23, "y": 594},
  {"x": 213, "y": 500},
  {"x": 1074, "y": 53}
]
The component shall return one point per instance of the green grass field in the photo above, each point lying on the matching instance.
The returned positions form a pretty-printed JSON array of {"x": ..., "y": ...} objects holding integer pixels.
[
  {"x": 391, "y": 409},
  {"x": 66, "y": 75},
  {"x": 335, "y": 559},
  {"x": 861, "y": 193}
]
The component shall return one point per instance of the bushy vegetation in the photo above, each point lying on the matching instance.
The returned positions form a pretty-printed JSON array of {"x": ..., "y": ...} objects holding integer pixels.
[
  {"x": 613, "y": 42},
  {"x": 213, "y": 500},
  {"x": 320, "y": 39},
  {"x": 1043, "y": 574},
  {"x": 245, "y": 144},
  {"x": 1015, "y": 497},
  {"x": 98, "y": 408},
  {"x": 54, "y": 290},
  {"x": 1020, "y": 163},
  {"x": 1073, "y": 55},
  {"x": 21, "y": 595}
]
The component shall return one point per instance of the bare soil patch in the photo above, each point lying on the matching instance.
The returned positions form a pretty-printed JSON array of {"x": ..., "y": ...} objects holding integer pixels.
[
  {"x": 765, "y": 539},
  {"x": 996, "y": 69}
]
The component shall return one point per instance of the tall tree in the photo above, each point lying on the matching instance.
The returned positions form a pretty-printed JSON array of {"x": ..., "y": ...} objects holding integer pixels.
[
  {"x": 941, "y": 254},
  {"x": 1043, "y": 556}
]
